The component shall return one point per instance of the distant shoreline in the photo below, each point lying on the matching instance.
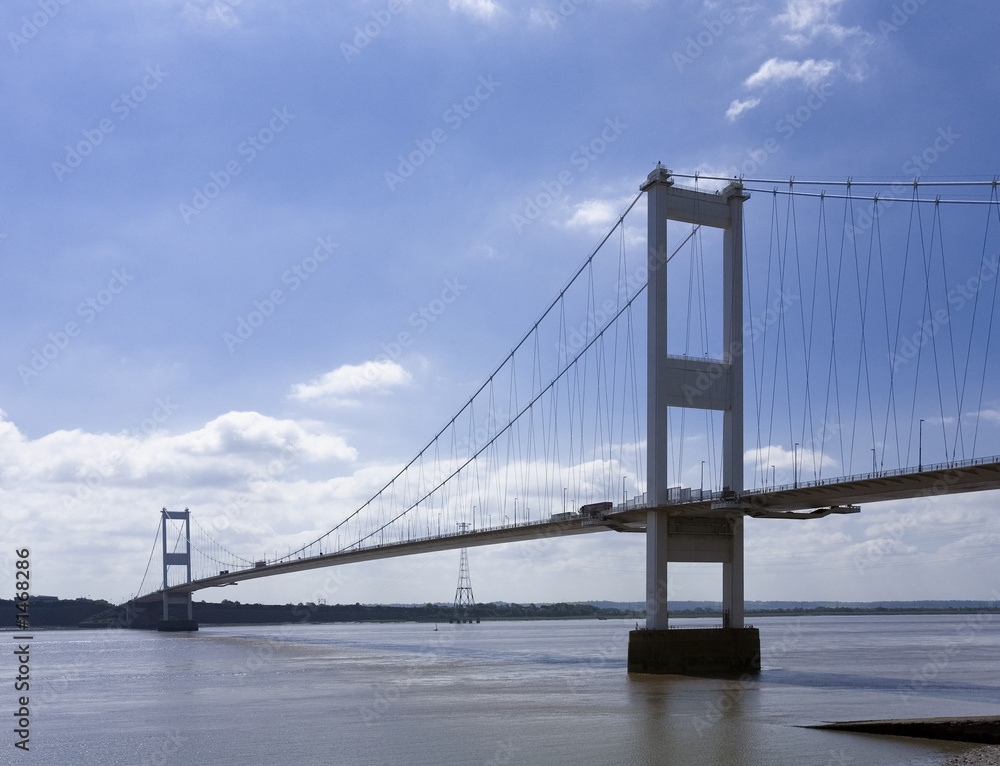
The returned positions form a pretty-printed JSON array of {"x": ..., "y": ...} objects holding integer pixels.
[{"x": 51, "y": 612}]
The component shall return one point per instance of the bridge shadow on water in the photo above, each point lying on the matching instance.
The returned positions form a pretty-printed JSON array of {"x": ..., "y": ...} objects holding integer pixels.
[
  {"x": 444, "y": 648},
  {"x": 826, "y": 680},
  {"x": 449, "y": 646}
]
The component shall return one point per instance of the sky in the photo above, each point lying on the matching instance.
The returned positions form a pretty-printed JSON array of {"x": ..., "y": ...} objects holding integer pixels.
[{"x": 234, "y": 228}]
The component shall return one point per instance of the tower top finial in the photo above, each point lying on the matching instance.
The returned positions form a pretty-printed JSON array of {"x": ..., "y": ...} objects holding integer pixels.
[{"x": 660, "y": 175}]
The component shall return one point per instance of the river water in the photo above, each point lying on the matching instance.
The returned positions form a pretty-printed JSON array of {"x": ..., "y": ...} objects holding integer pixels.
[{"x": 546, "y": 692}]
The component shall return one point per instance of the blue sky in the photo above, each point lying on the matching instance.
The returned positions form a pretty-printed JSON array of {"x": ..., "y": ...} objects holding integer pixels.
[{"x": 229, "y": 227}]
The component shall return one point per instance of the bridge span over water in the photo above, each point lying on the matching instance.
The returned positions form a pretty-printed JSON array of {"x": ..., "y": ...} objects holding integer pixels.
[
  {"x": 824, "y": 355},
  {"x": 809, "y": 501}
]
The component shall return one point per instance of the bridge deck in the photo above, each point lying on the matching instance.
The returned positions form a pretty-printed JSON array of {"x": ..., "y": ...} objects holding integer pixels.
[
  {"x": 973, "y": 476},
  {"x": 494, "y": 536},
  {"x": 783, "y": 502}
]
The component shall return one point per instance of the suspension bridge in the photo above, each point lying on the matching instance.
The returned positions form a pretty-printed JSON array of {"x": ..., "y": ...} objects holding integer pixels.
[{"x": 835, "y": 335}]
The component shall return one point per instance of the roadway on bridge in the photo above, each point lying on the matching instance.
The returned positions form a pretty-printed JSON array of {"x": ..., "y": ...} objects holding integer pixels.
[{"x": 815, "y": 498}]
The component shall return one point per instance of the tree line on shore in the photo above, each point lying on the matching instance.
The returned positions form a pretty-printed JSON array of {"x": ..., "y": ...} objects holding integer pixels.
[{"x": 98, "y": 613}]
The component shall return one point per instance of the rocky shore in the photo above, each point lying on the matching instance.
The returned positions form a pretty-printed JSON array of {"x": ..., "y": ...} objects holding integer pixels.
[
  {"x": 988, "y": 755},
  {"x": 980, "y": 729}
]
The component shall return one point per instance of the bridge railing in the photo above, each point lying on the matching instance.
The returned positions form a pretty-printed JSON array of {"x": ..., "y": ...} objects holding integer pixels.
[
  {"x": 684, "y": 495},
  {"x": 880, "y": 474}
]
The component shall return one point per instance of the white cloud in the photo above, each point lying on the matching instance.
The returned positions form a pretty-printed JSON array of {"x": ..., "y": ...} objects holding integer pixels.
[
  {"x": 598, "y": 213},
  {"x": 351, "y": 379},
  {"x": 800, "y": 459},
  {"x": 738, "y": 107},
  {"x": 481, "y": 9},
  {"x": 808, "y": 22},
  {"x": 809, "y": 18},
  {"x": 974, "y": 543},
  {"x": 990, "y": 414},
  {"x": 775, "y": 71},
  {"x": 251, "y": 432},
  {"x": 225, "y": 449},
  {"x": 542, "y": 17},
  {"x": 243, "y": 473}
]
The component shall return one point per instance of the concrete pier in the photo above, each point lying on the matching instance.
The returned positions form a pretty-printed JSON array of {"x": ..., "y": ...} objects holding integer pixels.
[
  {"x": 695, "y": 651},
  {"x": 708, "y": 535},
  {"x": 177, "y": 626}
]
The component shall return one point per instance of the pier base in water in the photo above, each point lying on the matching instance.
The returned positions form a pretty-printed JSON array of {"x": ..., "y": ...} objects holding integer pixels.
[
  {"x": 695, "y": 651},
  {"x": 177, "y": 626}
]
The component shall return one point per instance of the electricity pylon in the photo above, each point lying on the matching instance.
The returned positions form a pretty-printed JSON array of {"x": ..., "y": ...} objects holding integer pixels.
[{"x": 465, "y": 603}]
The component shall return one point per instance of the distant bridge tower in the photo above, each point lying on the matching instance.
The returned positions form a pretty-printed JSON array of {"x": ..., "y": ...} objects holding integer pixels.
[
  {"x": 674, "y": 533},
  {"x": 465, "y": 602},
  {"x": 176, "y": 559}
]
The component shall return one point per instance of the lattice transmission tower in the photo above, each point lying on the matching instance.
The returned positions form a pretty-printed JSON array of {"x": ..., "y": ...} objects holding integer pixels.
[{"x": 465, "y": 602}]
